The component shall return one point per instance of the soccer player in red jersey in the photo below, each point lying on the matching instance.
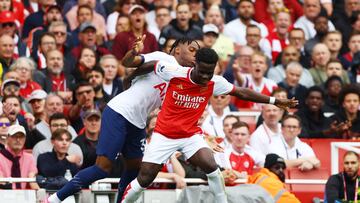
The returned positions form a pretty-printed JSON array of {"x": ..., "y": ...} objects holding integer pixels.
[{"x": 176, "y": 128}]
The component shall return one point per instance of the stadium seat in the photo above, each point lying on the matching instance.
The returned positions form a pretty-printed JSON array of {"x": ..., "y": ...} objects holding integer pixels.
[{"x": 306, "y": 192}]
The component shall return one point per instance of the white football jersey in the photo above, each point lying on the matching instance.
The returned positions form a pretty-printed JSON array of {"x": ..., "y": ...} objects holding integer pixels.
[{"x": 145, "y": 94}]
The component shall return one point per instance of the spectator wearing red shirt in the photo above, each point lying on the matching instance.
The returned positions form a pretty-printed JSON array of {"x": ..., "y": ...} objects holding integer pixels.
[
  {"x": 15, "y": 7},
  {"x": 278, "y": 37},
  {"x": 25, "y": 67},
  {"x": 124, "y": 40}
]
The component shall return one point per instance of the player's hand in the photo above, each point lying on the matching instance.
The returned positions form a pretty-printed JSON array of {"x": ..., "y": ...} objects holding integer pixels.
[
  {"x": 286, "y": 103},
  {"x": 211, "y": 141},
  {"x": 180, "y": 181},
  {"x": 138, "y": 45}
]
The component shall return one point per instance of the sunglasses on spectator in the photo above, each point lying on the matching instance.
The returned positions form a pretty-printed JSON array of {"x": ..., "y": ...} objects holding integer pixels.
[
  {"x": 7, "y": 124},
  {"x": 59, "y": 33},
  {"x": 12, "y": 88},
  {"x": 7, "y": 24}
]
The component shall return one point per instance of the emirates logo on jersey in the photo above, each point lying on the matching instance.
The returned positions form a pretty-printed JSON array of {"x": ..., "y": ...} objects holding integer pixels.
[{"x": 187, "y": 101}]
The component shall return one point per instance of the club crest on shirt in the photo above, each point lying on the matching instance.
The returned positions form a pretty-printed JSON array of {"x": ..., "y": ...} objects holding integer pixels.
[
  {"x": 179, "y": 86},
  {"x": 246, "y": 164}
]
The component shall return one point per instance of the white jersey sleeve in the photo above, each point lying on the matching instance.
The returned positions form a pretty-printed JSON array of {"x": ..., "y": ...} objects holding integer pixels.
[
  {"x": 157, "y": 56},
  {"x": 167, "y": 71},
  {"x": 222, "y": 86}
]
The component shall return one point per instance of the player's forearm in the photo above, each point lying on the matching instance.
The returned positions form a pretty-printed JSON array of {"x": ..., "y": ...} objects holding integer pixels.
[
  {"x": 144, "y": 69},
  {"x": 131, "y": 60},
  {"x": 250, "y": 95}
]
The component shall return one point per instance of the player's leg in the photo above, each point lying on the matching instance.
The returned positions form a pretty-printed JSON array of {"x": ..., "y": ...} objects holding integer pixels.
[
  {"x": 111, "y": 140},
  {"x": 201, "y": 155},
  {"x": 157, "y": 152},
  {"x": 133, "y": 152}
]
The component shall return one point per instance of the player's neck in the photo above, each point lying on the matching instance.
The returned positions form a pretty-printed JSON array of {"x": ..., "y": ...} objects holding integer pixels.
[{"x": 239, "y": 150}]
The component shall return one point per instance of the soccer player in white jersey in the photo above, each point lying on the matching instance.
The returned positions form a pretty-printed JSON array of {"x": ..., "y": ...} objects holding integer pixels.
[
  {"x": 124, "y": 120},
  {"x": 176, "y": 128}
]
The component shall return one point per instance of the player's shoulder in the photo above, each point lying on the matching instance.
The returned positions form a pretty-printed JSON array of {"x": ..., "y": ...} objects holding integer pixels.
[{"x": 159, "y": 55}]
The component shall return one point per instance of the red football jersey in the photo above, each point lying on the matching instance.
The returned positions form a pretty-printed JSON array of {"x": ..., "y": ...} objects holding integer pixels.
[
  {"x": 185, "y": 101},
  {"x": 242, "y": 162}
]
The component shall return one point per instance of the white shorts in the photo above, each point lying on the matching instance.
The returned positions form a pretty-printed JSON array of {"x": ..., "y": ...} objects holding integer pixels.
[{"x": 160, "y": 148}]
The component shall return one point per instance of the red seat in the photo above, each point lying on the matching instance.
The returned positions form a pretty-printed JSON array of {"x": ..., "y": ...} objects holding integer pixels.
[{"x": 306, "y": 192}]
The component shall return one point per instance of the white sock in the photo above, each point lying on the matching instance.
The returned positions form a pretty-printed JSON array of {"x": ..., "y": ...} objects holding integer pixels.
[
  {"x": 132, "y": 192},
  {"x": 217, "y": 186},
  {"x": 54, "y": 199}
]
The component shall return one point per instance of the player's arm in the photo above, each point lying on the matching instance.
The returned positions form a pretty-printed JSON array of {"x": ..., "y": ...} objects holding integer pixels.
[
  {"x": 132, "y": 57},
  {"x": 250, "y": 95}
]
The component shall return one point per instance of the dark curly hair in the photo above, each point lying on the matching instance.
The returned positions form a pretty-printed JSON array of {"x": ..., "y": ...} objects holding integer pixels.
[{"x": 206, "y": 55}]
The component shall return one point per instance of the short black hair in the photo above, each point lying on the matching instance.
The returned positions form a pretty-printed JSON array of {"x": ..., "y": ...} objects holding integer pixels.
[
  {"x": 348, "y": 89},
  {"x": 187, "y": 41},
  {"x": 206, "y": 55},
  {"x": 97, "y": 69},
  {"x": 11, "y": 96},
  {"x": 332, "y": 78},
  {"x": 57, "y": 116},
  {"x": 82, "y": 83},
  {"x": 294, "y": 116},
  {"x": 315, "y": 89}
]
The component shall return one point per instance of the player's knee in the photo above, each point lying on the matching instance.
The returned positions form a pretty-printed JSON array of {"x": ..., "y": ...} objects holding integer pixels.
[
  {"x": 146, "y": 177},
  {"x": 104, "y": 163}
]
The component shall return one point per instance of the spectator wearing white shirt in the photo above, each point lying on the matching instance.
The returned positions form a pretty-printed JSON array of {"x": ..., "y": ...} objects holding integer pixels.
[
  {"x": 295, "y": 152},
  {"x": 312, "y": 9},
  {"x": 235, "y": 29},
  {"x": 269, "y": 131}
]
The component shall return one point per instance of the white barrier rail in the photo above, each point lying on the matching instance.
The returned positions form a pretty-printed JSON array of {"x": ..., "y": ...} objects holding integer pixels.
[
  {"x": 348, "y": 146},
  {"x": 164, "y": 180}
]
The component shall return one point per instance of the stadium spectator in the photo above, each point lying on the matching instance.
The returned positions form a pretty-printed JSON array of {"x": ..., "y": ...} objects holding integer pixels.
[
  {"x": 85, "y": 95},
  {"x": 97, "y": 20},
  {"x": 37, "y": 103},
  {"x": 219, "y": 107},
  {"x": 240, "y": 157},
  {"x": 297, "y": 154},
  {"x": 14, "y": 161},
  {"x": 320, "y": 57},
  {"x": 223, "y": 46},
  {"x": 56, "y": 121},
  {"x": 333, "y": 86},
  {"x": 12, "y": 109},
  {"x": 349, "y": 112},
  {"x": 87, "y": 39},
  {"x": 312, "y": 9},
  {"x": 88, "y": 140},
  {"x": 84, "y": 14},
  {"x": 272, "y": 179},
  {"x": 293, "y": 73},
  {"x": 47, "y": 42},
  {"x": 342, "y": 186},
  {"x": 255, "y": 41},
  {"x": 314, "y": 123},
  {"x": 86, "y": 62},
  {"x": 180, "y": 27},
  {"x": 57, "y": 80},
  {"x": 96, "y": 78},
  {"x": 16, "y": 8},
  {"x": 54, "y": 164},
  {"x": 12, "y": 87},
  {"x": 8, "y": 27},
  {"x": 7, "y": 54},
  {"x": 196, "y": 8},
  {"x": 124, "y": 40},
  {"x": 235, "y": 28},
  {"x": 211, "y": 34},
  {"x": 162, "y": 19},
  {"x": 268, "y": 131},
  {"x": 321, "y": 27},
  {"x": 4, "y": 127},
  {"x": 36, "y": 19},
  {"x": 278, "y": 36},
  {"x": 112, "y": 84},
  {"x": 334, "y": 67},
  {"x": 25, "y": 67},
  {"x": 62, "y": 37},
  {"x": 333, "y": 41},
  {"x": 354, "y": 47},
  {"x": 228, "y": 121},
  {"x": 256, "y": 80}
]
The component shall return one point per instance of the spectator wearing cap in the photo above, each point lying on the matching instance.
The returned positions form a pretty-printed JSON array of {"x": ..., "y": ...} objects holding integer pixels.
[
  {"x": 52, "y": 14},
  {"x": 36, "y": 19},
  {"x": 25, "y": 67},
  {"x": 4, "y": 127},
  {"x": 87, "y": 39},
  {"x": 235, "y": 28},
  {"x": 272, "y": 179},
  {"x": 211, "y": 34},
  {"x": 56, "y": 121},
  {"x": 7, "y": 53},
  {"x": 14, "y": 161},
  {"x": 123, "y": 41},
  {"x": 12, "y": 87},
  {"x": 8, "y": 26},
  {"x": 89, "y": 139},
  {"x": 84, "y": 14},
  {"x": 16, "y": 8},
  {"x": 37, "y": 103},
  {"x": 55, "y": 163},
  {"x": 98, "y": 20},
  {"x": 112, "y": 84},
  {"x": 56, "y": 79},
  {"x": 181, "y": 27},
  {"x": 297, "y": 154},
  {"x": 224, "y": 46}
]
